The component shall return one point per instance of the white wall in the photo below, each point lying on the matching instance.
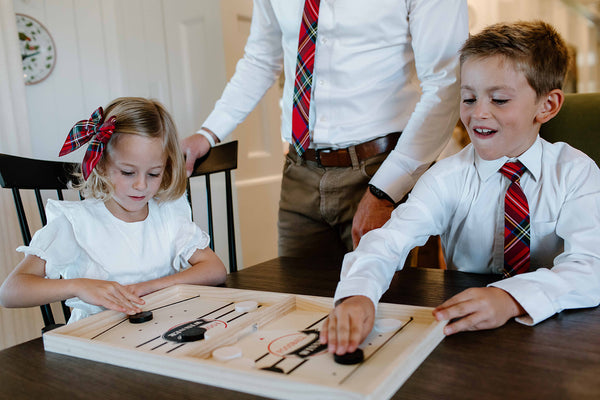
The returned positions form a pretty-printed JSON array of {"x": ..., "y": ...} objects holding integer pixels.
[
  {"x": 577, "y": 31},
  {"x": 171, "y": 50}
]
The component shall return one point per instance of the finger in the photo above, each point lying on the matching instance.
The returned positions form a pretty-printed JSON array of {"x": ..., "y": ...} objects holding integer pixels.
[
  {"x": 355, "y": 334},
  {"x": 447, "y": 310},
  {"x": 458, "y": 298},
  {"x": 190, "y": 160},
  {"x": 112, "y": 303},
  {"x": 470, "y": 322},
  {"x": 332, "y": 339},
  {"x": 324, "y": 331},
  {"x": 355, "y": 238},
  {"x": 129, "y": 293},
  {"x": 342, "y": 331},
  {"x": 457, "y": 310},
  {"x": 120, "y": 296}
]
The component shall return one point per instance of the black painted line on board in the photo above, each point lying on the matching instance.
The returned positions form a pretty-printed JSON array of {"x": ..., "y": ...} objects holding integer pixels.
[
  {"x": 177, "y": 302},
  {"x": 296, "y": 367},
  {"x": 160, "y": 345},
  {"x": 109, "y": 328},
  {"x": 175, "y": 348},
  {"x": 321, "y": 319},
  {"x": 215, "y": 310},
  {"x": 146, "y": 342}
]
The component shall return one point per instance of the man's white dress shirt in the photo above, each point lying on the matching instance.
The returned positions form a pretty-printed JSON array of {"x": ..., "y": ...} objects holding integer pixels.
[{"x": 380, "y": 67}]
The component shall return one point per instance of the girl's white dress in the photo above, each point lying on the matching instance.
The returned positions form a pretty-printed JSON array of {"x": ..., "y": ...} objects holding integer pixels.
[{"x": 84, "y": 240}]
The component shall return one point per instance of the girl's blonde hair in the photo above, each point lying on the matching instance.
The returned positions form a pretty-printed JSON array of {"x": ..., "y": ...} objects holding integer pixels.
[{"x": 147, "y": 118}]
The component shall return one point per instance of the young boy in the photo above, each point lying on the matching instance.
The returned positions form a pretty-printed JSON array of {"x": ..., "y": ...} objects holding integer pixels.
[{"x": 511, "y": 79}]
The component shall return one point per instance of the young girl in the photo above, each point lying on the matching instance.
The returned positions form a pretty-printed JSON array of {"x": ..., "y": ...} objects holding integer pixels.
[{"x": 132, "y": 235}]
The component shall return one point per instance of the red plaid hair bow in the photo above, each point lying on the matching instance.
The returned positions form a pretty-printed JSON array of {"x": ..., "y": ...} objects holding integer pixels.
[{"x": 94, "y": 129}]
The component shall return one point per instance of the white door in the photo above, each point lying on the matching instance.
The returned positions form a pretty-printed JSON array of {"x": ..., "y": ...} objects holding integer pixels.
[{"x": 260, "y": 160}]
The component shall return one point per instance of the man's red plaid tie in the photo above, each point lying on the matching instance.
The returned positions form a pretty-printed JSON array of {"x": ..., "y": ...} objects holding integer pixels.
[
  {"x": 516, "y": 222},
  {"x": 304, "y": 71}
]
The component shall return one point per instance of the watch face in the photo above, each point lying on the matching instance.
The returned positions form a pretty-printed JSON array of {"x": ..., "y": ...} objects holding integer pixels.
[{"x": 38, "y": 52}]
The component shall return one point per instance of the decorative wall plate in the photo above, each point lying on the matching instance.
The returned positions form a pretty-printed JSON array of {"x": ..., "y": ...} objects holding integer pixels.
[{"x": 38, "y": 52}]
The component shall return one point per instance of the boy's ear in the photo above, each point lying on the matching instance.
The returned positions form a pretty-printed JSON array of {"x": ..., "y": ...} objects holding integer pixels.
[{"x": 550, "y": 106}]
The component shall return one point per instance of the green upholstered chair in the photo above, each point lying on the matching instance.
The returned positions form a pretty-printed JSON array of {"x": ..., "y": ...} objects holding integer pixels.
[{"x": 577, "y": 123}]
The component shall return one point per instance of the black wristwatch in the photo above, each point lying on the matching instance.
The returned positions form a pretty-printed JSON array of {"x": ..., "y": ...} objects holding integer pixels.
[{"x": 380, "y": 194}]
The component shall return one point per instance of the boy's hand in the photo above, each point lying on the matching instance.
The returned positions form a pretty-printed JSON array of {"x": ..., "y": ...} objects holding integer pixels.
[
  {"x": 348, "y": 324},
  {"x": 108, "y": 294},
  {"x": 478, "y": 308}
]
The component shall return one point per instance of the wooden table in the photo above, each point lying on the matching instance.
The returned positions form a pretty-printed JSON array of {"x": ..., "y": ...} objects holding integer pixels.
[{"x": 558, "y": 359}]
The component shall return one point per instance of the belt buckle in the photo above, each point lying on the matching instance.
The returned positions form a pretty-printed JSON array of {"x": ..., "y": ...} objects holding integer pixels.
[{"x": 318, "y": 155}]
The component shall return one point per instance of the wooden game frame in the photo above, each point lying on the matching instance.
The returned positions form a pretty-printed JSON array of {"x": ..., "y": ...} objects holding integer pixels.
[{"x": 379, "y": 376}]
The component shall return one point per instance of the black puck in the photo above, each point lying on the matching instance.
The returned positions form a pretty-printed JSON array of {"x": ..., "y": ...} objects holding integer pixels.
[
  {"x": 138, "y": 318},
  {"x": 350, "y": 358},
  {"x": 191, "y": 335}
]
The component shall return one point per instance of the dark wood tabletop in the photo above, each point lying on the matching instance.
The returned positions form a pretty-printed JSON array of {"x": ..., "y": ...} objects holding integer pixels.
[{"x": 557, "y": 359}]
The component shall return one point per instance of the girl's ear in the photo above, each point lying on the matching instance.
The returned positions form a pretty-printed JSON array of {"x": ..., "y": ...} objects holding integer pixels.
[{"x": 550, "y": 106}]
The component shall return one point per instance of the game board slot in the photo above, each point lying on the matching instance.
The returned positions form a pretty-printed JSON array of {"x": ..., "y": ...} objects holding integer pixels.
[
  {"x": 281, "y": 333},
  {"x": 260, "y": 317}
]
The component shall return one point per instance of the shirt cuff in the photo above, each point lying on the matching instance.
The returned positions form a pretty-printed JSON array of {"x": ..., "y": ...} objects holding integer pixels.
[
  {"x": 208, "y": 136},
  {"x": 397, "y": 175},
  {"x": 356, "y": 287},
  {"x": 221, "y": 124},
  {"x": 528, "y": 295}
]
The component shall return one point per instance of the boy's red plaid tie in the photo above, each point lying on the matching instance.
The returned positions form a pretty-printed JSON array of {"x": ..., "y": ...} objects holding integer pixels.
[
  {"x": 516, "y": 222},
  {"x": 304, "y": 71}
]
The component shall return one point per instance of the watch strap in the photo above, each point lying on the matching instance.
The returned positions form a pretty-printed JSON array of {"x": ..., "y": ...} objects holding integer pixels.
[{"x": 380, "y": 194}]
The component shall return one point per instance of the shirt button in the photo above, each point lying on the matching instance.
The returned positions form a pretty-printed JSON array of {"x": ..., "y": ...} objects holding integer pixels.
[
  {"x": 323, "y": 40},
  {"x": 321, "y": 82}
]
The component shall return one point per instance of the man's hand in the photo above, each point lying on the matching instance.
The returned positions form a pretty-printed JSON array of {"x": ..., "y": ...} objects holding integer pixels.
[
  {"x": 194, "y": 147},
  {"x": 348, "y": 324},
  {"x": 478, "y": 308},
  {"x": 372, "y": 213}
]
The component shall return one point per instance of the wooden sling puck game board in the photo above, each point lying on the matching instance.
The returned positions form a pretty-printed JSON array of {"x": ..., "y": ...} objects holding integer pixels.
[{"x": 257, "y": 342}]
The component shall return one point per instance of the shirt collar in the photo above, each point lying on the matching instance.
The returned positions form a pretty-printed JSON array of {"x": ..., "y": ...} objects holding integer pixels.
[{"x": 531, "y": 159}]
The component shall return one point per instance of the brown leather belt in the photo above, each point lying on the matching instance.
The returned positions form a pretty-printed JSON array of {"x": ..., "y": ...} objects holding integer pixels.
[{"x": 341, "y": 157}]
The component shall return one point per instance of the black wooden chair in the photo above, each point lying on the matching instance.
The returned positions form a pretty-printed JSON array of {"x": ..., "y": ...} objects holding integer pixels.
[
  {"x": 221, "y": 158},
  {"x": 21, "y": 174},
  {"x": 577, "y": 123}
]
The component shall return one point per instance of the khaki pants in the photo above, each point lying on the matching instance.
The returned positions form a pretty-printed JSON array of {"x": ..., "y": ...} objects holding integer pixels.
[{"x": 317, "y": 206}]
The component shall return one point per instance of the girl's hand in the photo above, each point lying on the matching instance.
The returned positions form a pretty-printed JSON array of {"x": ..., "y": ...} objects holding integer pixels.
[
  {"x": 143, "y": 288},
  {"x": 348, "y": 324},
  {"x": 108, "y": 294},
  {"x": 477, "y": 308}
]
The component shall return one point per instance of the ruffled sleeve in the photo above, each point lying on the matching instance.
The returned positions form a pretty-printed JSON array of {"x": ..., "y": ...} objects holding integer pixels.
[
  {"x": 55, "y": 243},
  {"x": 187, "y": 236}
]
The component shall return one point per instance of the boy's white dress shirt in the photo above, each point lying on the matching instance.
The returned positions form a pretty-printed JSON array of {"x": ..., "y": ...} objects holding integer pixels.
[{"x": 461, "y": 198}]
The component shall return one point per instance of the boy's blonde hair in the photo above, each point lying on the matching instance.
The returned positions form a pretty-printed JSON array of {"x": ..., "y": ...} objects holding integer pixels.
[
  {"x": 147, "y": 118},
  {"x": 535, "y": 48}
]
